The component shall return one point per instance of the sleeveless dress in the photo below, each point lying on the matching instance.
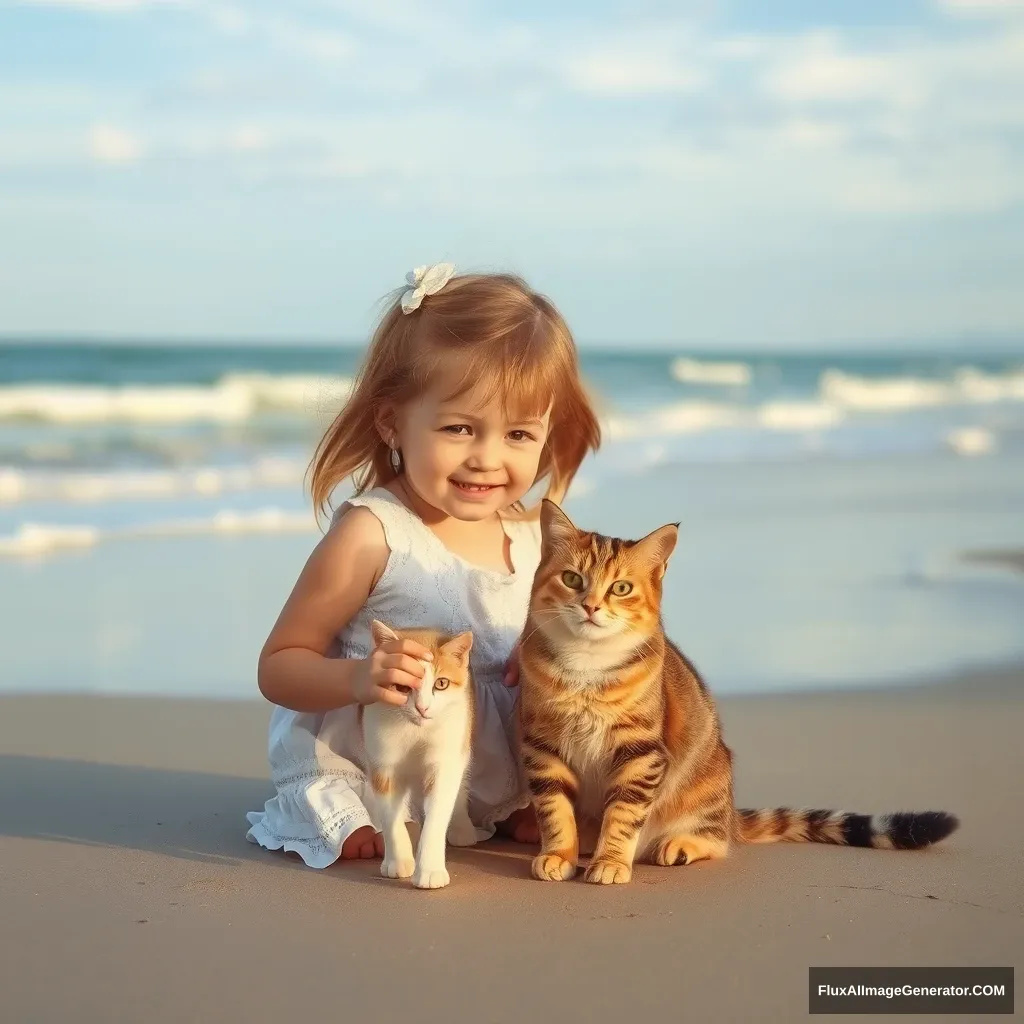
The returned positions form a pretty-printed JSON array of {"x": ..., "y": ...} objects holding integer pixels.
[{"x": 316, "y": 760}]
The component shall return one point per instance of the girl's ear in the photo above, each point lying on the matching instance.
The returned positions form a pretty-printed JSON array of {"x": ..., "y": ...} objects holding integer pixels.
[
  {"x": 381, "y": 634},
  {"x": 384, "y": 421}
]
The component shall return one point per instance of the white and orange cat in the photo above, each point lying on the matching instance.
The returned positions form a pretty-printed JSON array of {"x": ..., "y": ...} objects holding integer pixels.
[{"x": 421, "y": 751}]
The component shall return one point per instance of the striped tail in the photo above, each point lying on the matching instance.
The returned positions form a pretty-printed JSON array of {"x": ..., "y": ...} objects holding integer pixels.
[{"x": 904, "y": 830}]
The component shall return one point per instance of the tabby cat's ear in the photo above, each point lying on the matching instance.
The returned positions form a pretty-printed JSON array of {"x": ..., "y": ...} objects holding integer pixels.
[
  {"x": 381, "y": 634},
  {"x": 659, "y": 545},
  {"x": 555, "y": 526},
  {"x": 459, "y": 646}
]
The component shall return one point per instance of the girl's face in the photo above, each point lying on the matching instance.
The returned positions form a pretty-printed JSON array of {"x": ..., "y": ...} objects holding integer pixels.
[{"x": 464, "y": 456}]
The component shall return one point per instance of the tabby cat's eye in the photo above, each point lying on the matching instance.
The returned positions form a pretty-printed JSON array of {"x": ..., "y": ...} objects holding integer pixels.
[
  {"x": 441, "y": 684},
  {"x": 573, "y": 580},
  {"x": 620, "y": 588}
]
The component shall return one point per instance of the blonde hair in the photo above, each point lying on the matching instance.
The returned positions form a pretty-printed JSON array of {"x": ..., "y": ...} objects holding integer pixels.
[{"x": 505, "y": 338}]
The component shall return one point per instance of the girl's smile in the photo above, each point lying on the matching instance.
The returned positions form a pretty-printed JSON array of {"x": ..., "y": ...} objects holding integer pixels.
[{"x": 473, "y": 491}]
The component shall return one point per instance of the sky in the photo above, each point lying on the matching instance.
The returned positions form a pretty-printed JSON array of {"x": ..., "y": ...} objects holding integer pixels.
[{"x": 700, "y": 172}]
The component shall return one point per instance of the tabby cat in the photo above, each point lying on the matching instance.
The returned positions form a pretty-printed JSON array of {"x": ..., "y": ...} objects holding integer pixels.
[
  {"x": 421, "y": 750},
  {"x": 617, "y": 726}
]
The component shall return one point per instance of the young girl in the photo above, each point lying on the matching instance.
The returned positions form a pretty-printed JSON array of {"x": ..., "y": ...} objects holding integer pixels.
[{"x": 469, "y": 396}]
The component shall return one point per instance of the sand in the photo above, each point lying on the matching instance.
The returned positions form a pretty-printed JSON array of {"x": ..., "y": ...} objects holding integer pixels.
[{"x": 130, "y": 894}]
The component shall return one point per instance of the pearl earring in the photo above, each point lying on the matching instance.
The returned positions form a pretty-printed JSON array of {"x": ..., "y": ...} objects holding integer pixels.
[{"x": 396, "y": 456}]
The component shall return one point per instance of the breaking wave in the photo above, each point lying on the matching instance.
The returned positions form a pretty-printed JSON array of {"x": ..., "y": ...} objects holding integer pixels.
[
  {"x": 41, "y": 539},
  {"x": 18, "y": 485},
  {"x": 232, "y": 399},
  {"x": 696, "y": 371}
]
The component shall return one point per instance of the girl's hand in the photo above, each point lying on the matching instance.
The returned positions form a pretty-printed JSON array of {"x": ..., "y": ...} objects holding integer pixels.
[
  {"x": 511, "y": 677},
  {"x": 390, "y": 673}
]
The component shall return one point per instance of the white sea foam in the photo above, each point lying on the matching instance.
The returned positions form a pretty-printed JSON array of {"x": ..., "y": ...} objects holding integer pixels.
[
  {"x": 968, "y": 386},
  {"x": 680, "y": 418},
  {"x": 264, "y": 520},
  {"x": 36, "y": 539},
  {"x": 41, "y": 539},
  {"x": 697, "y": 417},
  {"x": 117, "y": 485},
  {"x": 693, "y": 371},
  {"x": 971, "y": 441},
  {"x": 233, "y": 399},
  {"x": 798, "y": 415}
]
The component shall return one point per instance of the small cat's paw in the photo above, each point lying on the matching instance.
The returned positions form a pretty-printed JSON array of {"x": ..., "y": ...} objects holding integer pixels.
[
  {"x": 550, "y": 867},
  {"x": 608, "y": 872},
  {"x": 462, "y": 833},
  {"x": 430, "y": 878},
  {"x": 397, "y": 867}
]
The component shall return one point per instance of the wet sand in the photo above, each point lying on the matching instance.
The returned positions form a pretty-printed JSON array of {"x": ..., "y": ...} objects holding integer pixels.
[{"x": 129, "y": 892}]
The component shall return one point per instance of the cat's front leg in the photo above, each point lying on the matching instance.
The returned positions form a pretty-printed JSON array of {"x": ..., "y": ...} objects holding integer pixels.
[
  {"x": 442, "y": 790},
  {"x": 398, "y": 861},
  {"x": 637, "y": 769},
  {"x": 554, "y": 789}
]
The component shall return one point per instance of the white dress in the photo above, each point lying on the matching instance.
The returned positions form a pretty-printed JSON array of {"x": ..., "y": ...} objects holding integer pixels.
[{"x": 316, "y": 760}]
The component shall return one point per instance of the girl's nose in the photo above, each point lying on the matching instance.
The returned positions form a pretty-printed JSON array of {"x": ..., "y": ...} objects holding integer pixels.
[{"x": 484, "y": 457}]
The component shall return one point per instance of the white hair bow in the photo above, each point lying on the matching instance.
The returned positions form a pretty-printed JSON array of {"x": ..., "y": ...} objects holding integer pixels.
[{"x": 425, "y": 281}]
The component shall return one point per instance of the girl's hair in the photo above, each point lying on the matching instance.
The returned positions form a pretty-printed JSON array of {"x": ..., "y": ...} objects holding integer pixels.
[{"x": 501, "y": 336}]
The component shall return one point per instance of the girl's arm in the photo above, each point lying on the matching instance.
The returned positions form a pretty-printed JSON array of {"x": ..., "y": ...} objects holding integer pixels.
[{"x": 338, "y": 577}]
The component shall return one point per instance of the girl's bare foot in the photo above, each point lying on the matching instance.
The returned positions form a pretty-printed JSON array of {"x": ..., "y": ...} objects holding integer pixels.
[
  {"x": 520, "y": 826},
  {"x": 363, "y": 844}
]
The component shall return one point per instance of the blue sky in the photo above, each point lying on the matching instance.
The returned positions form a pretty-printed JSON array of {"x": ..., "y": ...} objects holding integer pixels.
[{"x": 701, "y": 173}]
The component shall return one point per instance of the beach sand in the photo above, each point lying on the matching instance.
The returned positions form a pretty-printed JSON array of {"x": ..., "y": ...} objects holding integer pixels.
[{"x": 129, "y": 892}]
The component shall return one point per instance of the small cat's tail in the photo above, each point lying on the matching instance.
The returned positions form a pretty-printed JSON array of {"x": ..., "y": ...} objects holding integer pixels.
[{"x": 904, "y": 830}]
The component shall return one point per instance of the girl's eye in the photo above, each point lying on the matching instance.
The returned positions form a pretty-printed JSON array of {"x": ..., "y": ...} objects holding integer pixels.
[
  {"x": 573, "y": 580},
  {"x": 457, "y": 428},
  {"x": 620, "y": 588},
  {"x": 441, "y": 684},
  {"x": 521, "y": 435}
]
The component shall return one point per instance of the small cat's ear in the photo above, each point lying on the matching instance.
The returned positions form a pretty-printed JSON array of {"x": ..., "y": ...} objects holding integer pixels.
[
  {"x": 459, "y": 646},
  {"x": 659, "y": 545},
  {"x": 555, "y": 525},
  {"x": 381, "y": 634}
]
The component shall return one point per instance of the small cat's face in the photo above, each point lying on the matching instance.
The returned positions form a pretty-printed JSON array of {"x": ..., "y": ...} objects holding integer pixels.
[
  {"x": 447, "y": 677},
  {"x": 599, "y": 587}
]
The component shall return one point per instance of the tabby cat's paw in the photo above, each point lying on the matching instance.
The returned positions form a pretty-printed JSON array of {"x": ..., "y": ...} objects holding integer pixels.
[
  {"x": 397, "y": 867},
  {"x": 670, "y": 852},
  {"x": 550, "y": 867},
  {"x": 430, "y": 878},
  {"x": 608, "y": 872}
]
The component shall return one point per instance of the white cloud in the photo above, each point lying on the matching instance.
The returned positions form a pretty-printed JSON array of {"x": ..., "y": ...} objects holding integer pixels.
[
  {"x": 110, "y": 145},
  {"x": 107, "y": 5},
  {"x": 611, "y": 73},
  {"x": 983, "y": 8},
  {"x": 229, "y": 20},
  {"x": 249, "y": 139},
  {"x": 813, "y": 122},
  {"x": 818, "y": 69}
]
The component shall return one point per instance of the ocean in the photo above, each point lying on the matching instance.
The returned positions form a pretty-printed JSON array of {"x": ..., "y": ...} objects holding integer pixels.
[{"x": 188, "y": 461}]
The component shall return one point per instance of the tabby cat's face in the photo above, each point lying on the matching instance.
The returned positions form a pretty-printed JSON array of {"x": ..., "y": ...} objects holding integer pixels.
[{"x": 598, "y": 587}]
